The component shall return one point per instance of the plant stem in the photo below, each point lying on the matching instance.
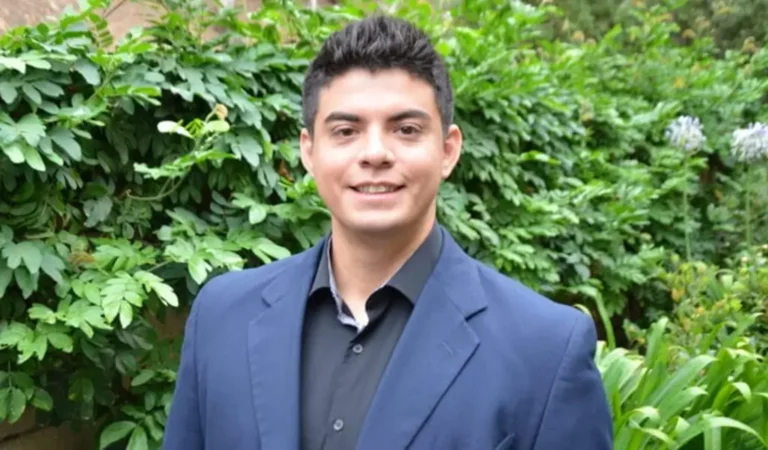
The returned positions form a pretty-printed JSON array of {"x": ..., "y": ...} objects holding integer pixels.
[
  {"x": 163, "y": 192},
  {"x": 748, "y": 195},
  {"x": 686, "y": 220},
  {"x": 748, "y": 225}
]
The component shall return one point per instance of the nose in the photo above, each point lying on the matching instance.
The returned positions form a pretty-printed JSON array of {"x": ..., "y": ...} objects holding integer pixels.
[{"x": 376, "y": 152}]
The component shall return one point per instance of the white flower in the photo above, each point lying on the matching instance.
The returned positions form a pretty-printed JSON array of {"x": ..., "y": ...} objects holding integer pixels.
[
  {"x": 685, "y": 132},
  {"x": 751, "y": 143}
]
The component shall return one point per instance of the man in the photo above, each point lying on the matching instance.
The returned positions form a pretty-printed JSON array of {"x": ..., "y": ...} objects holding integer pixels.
[{"x": 385, "y": 335}]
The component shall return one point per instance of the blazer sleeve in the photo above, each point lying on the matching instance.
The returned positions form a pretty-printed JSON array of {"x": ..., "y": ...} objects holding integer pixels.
[
  {"x": 577, "y": 415},
  {"x": 183, "y": 430}
]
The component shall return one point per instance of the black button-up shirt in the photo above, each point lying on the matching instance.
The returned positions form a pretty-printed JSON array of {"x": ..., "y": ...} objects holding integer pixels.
[{"x": 343, "y": 360}]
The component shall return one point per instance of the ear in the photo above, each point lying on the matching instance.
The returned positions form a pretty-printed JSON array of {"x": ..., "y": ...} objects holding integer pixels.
[
  {"x": 451, "y": 150},
  {"x": 305, "y": 146}
]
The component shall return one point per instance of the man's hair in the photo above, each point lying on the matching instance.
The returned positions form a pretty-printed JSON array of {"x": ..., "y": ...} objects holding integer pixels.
[{"x": 377, "y": 43}]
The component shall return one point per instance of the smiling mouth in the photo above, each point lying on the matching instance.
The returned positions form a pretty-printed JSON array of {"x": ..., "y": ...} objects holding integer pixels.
[{"x": 377, "y": 188}]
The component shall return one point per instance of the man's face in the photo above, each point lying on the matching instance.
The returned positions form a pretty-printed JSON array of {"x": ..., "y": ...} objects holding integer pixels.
[{"x": 378, "y": 152}]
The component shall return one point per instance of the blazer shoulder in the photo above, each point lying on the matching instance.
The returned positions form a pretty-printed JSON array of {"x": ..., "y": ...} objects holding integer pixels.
[{"x": 529, "y": 310}]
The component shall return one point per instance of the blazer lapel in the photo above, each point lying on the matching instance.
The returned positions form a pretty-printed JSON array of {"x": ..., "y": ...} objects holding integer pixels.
[
  {"x": 434, "y": 347},
  {"x": 274, "y": 349}
]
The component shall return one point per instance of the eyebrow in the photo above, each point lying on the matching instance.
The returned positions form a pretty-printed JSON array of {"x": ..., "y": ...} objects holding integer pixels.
[{"x": 339, "y": 116}]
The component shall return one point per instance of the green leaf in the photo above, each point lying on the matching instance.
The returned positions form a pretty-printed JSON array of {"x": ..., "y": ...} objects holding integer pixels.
[
  {"x": 4, "y": 396},
  {"x": 48, "y": 88},
  {"x": 66, "y": 140},
  {"x": 26, "y": 281},
  {"x": 38, "y": 63},
  {"x": 46, "y": 147},
  {"x": 42, "y": 400},
  {"x": 117, "y": 290},
  {"x": 216, "y": 126},
  {"x": 33, "y": 158},
  {"x": 88, "y": 70},
  {"x": 658, "y": 434},
  {"x": 150, "y": 401},
  {"x": 126, "y": 314},
  {"x": 126, "y": 363},
  {"x": 6, "y": 235},
  {"x": 31, "y": 347},
  {"x": 198, "y": 268},
  {"x": 14, "y": 153},
  {"x": 25, "y": 251},
  {"x": 166, "y": 294},
  {"x": 708, "y": 422},
  {"x": 17, "y": 404},
  {"x": 249, "y": 147},
  {"x": 61, "y": 341},
  {"x": 92, "y": 294},
  {"x": 15, "y": 333},
  {"x": 152, "y": 282},
  {"x": 52, "y": 265},
  {"x": 138, "y": 440},
  {"x": 97, "y": 210},
  {"x": 257, "y": 213},
  {"x": 154, "y": 77},
  {"x": 24, "y": 382},
  {"x": 32, "y": 94},
  {"x": 143, "y": 377},
  {"x": 168, "y": 126},
  {"x": 6, "y": 274},
  {"x": 42, "y": 313},
  {"x": 31, "y": 129},
  {"x": 84, "y": 315},
  {"x": 111, "y": 305},
  {"x": 272, "y": 249},
  {"x": 115, "y": 432},
  {"x": 8, "y": 93},
  {"x": 13, "y": 63}
]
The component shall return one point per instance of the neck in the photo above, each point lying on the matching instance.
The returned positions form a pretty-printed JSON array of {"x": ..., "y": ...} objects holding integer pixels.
[{"x": 361, "y": 264}]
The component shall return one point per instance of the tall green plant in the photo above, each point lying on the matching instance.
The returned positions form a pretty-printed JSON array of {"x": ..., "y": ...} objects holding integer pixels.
[
  {"x": 750, "y": 146},
  {"x": 676, "y": 398}
]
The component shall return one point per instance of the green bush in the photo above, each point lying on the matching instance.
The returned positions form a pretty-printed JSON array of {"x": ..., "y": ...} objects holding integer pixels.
[
  {"x": 133, "y": 171},
  {"x": 676, "y": 399}
]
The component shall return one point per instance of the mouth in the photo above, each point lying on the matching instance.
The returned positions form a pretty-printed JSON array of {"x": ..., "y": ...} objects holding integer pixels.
[{"x": 377, "y": 189}]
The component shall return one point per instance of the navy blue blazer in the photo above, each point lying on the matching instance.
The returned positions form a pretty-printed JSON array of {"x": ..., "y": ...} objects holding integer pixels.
[{"x": 484, "y": 363}]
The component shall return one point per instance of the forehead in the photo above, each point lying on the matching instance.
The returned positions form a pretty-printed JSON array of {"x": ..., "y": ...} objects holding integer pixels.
[{"x": 380, "y": 93}]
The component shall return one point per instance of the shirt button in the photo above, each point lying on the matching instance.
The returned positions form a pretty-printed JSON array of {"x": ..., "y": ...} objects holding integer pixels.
[
  {"x": 338, "y": 424},
  {"x": 358, "y": 348}
]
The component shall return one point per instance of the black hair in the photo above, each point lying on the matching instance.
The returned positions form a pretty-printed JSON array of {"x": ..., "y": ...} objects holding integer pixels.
[{"x": 377, "y": 43}]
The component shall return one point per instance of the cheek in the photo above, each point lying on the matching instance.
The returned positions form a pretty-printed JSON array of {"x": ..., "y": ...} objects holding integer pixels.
[
  {"x": 424, "y": 165},
  {"x": 330, "y": 172}
]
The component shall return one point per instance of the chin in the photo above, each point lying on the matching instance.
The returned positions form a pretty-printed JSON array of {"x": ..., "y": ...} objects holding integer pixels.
[{"x": 375, "y": 224}]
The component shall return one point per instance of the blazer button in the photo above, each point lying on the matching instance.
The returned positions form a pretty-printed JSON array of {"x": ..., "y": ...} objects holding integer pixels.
[{"x": 338, "y": 424}]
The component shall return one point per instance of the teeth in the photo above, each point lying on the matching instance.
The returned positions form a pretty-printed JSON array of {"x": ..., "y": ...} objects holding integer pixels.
[{"x": 375, "y": 189}]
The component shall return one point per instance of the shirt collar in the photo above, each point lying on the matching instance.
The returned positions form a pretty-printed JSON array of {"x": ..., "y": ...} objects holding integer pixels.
[{"x": 409, "y": 280}]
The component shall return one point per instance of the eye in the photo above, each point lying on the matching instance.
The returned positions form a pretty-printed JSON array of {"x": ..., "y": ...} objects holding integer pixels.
[
  {"x": 343, "y": 131},
  {"x": 409, "y": 130}
]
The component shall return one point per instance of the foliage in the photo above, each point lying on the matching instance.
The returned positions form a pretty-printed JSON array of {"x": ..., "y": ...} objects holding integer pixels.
[
  {"x": 701, "y": 382},
  {"x": 112, "y": 216},
  {"x": 733, "y": 24},
  {"x": 133, "y": 171},
  {"x": 710, "y": 299},
  {"x": 677, "y": 398}
]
